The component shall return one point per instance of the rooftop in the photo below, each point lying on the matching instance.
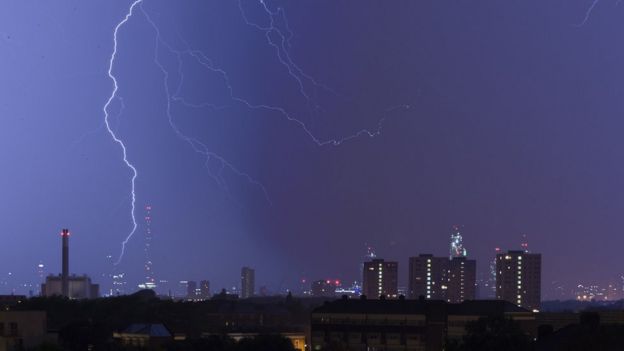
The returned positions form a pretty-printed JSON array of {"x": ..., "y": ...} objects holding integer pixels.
[
  {"x": 404, "y": 306},
  {"x": 152, "y": 330}
]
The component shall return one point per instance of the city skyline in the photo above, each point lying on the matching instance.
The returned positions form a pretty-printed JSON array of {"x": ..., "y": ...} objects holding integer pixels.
[
  {"x": 451, "y": 279},
  {"x": 448, "y": 273},
  {"x": 290, "y": 137}
]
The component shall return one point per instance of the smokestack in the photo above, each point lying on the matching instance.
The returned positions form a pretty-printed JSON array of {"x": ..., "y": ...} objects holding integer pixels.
[{"x": 65, "y": 273}]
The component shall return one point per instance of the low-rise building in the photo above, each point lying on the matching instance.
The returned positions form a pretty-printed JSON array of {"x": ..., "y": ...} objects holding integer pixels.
[
  {"x": 21, "y": 330},
  {"x": 79, "y": 287},
  {"x": 150, "y": 336},
  {"x": 403, "y": 324}
]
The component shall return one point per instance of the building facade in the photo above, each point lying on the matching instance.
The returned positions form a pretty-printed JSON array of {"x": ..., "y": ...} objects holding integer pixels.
[
  {"x": 518, "y": 278},
  {"x": 23, "y": 330},
  {"x": 248, "y": 282},
  {"x": 78, "y": 287},
  {"x": 427, "y": 277},
  {"x": 363, "y": 324},
  {"x": 462, "y": 279},
  {"x": 438, "y": 278},
  {"x": 145, "y": 336},
  {"x": 380, "y": 279}
]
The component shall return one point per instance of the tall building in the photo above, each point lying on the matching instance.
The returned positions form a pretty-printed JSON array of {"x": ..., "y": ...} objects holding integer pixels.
[
  {"x": 370, "y": 254},
  {"x": 491, "y": 292},
  {"x": 462, "y": 276},
  {"x": 41, "y": 270},
  {"x": 518, "y": 278},
  {"x": 457, "y": 248},
  {"x": 248, "y": 282},
  {"x": 191, "y": 290},
  {"x": 150, "y": 279},
  {"x": 204, "y": 289},
  {"x": 427, "y": 277},
  {"x": 380, "y": 278},
  {"x": 438, "y": 278},
  {"x": 181, "y": 290}
]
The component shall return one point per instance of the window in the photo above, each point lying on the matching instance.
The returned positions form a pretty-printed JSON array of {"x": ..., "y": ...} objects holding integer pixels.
[{"x": 13, "y": 329}]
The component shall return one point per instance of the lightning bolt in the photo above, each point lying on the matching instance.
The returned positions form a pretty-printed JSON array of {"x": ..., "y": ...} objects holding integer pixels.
[
  {"x": 102, "y": 125},
  {"x": 195, "y": 144},
  {"x": 294, "y": 71},
  {"x": 201, "y": 58},
  {"x": 114, "y": 135},
  {"x": 281, "y": 46},
  {"x": 589, "y": 12},
  {"x": 298, "y": 75}
]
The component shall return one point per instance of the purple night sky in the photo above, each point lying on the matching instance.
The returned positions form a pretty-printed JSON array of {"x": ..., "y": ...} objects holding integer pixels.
[{"x": 503, "y": 116}]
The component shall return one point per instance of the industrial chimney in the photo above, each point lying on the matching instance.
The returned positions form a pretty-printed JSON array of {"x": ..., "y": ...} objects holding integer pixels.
[{"x": 65, "y": 273}]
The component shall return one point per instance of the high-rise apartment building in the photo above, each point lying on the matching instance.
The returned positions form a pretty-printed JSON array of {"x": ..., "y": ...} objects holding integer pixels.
[
  {"x": 518, "y": 278},
  {"x": 438, "y": 278},
  {"x": 247, "y": 282},
  {"x": 427, "y": 277},
  {"x": 380, "y": 278},
  {"x": 461, "y": 280}
]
